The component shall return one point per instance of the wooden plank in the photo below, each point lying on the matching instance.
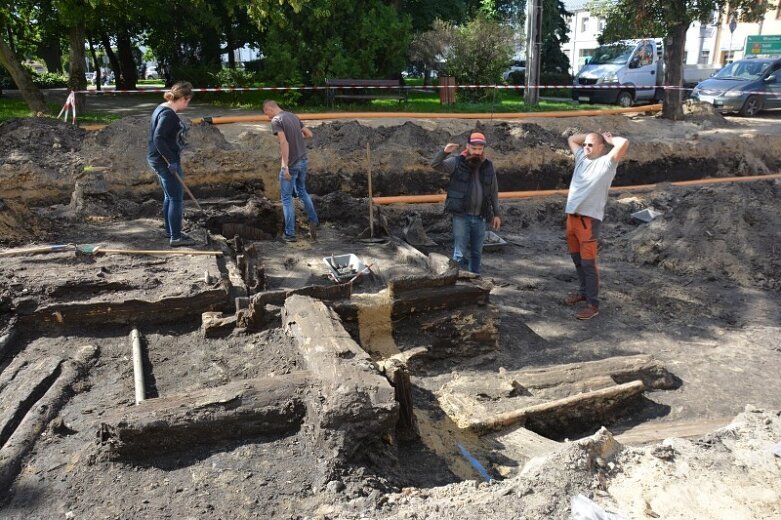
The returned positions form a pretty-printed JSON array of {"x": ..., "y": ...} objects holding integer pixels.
[
  {"x": 652, "y": 432},
  {"x": 621, "y": 369},
  {"x": 237, "y": 410},
  {"x": 165, "y": 310},
  {"x": 19, "y": 395},
  {"x": 437, "y": 298},
  {"x": 594, "y": 404},
  {"x": 35, "y": 421},
  {"x": 520, "y": 446}
]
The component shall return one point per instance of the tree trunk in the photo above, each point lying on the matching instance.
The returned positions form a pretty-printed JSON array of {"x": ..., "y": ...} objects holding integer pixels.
[
  {"x": 112, "y": 58},
  {"x": 24, "y": 82},
  {"x": 127, "y": 63},
  {"x": 95, "y": 64},
  {"x": 230, "y": 45},
  {"x": 77, "y": 80},
  {"x": 674, "y": 42},
  {"x": 51, "y": 52}
]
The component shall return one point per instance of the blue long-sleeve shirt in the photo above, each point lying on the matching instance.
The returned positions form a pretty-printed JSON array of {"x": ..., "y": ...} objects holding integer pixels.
[{"x": 164, "y": 135}]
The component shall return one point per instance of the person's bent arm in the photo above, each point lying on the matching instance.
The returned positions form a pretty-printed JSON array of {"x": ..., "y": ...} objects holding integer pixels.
[
  {"x": 442, "y": 162},
  {"x": 306, "y": 132},
  {"x": 620, "y": 146},
  {"x": 576, "y": 141}
]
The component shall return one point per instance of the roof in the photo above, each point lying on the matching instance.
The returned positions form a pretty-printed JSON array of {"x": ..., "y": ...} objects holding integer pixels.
[{"x": 575, "y": 5}]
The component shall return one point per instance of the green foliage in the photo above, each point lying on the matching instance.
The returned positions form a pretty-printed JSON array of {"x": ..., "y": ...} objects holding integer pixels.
[
  {"x": 479, "y": 52},
  {"x": 198, "y": 75},
  {"x": 336, "y": 38},
  {"x": 40, "y": 79},
  {"x": 554, "y": 34},
  {"x": 49, "y": 80},
  {"x": 234, "y": 78}
]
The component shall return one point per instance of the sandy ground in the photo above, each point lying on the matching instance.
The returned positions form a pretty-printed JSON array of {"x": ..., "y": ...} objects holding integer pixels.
[{"x": 698, "y": 288}]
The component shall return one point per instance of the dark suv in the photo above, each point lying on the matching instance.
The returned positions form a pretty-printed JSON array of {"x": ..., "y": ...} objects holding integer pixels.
[{"x": 744, "y": 86}]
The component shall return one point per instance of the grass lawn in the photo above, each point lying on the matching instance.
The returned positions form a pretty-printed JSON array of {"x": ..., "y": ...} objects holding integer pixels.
[
  {"x": 13, "y": 108},
  {"x": 418, "y": 101}
]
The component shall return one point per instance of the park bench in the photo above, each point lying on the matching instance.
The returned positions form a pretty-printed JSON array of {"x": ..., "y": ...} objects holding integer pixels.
[{"x": 364, "y": 89}]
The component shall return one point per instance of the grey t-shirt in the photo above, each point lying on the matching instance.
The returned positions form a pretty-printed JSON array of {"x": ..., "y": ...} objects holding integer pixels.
[
  {"x": 290, "y": 125},
  {"x": 589, "y": 187}
]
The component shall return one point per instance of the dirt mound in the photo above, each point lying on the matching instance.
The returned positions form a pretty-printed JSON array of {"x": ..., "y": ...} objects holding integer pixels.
[
  {"x": 19, "y": 225},
  {"x": 38, "y": 155},
  {"x": 730, "y": 473},
  {"x": 704, "y": 115},
  {"x": 38, "y": 139},
  {"x": 112, "y": 143},
  {"x": 727, "y": 231}
]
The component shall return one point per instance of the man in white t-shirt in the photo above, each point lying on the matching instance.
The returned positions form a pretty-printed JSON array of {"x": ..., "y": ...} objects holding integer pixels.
[{"x": 595, "y": 168}]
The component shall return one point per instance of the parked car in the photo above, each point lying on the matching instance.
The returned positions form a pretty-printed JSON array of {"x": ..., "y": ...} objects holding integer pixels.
[
  {"x": 151, "y": 73},
  {"x": 629, "y": 71},
  {"x": 745, "y": 86},
  {"x": 515, "y": 66},
  {"x": 90, "y": 77}
]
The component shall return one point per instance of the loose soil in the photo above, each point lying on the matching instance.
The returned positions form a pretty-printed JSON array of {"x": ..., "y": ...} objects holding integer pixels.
[{"x": 699, "y": 288}]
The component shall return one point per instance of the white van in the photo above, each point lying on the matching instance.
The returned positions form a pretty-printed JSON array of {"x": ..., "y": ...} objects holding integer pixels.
[
  {"x": 620, "y": 73},
  {"x": 629, "y": 71}
]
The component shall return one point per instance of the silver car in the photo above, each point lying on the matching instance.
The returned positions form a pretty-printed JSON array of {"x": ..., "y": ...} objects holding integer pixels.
[{"x": 745, "y": 86}]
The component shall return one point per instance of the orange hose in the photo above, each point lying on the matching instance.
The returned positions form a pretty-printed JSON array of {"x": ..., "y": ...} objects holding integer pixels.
[
  {"x": 439, "y": 197},
  {"x": 258, "y": 118}
]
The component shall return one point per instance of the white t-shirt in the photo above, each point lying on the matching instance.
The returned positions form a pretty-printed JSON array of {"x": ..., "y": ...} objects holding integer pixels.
[{"x": 589, "y": 187}]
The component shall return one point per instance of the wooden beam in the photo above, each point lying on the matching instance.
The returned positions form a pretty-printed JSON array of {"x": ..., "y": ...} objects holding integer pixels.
[
  {"x": 29, "y": 430},
  {"x": 165, "y": 310},
  {"x": 237, "y": 410},
  {"x": 592, "y": 404}
]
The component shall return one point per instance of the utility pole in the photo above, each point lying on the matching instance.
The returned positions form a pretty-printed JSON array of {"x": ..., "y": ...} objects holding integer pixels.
[{"x": 533, "y": 45}]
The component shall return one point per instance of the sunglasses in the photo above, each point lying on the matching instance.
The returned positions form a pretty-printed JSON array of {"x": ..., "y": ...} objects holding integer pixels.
[{"x": 588, "y": 145}]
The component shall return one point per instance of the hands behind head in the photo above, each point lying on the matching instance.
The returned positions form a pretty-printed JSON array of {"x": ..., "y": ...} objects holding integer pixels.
[
  {"x": 451, "y": 147},
  {"x": 608, "y": 137}
]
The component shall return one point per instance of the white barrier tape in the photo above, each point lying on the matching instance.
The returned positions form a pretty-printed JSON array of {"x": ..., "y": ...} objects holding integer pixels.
[{"x": 408, "y": 87}]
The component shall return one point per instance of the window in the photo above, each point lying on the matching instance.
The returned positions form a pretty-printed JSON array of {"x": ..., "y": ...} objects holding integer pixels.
[
  {"x": 601, "y": 25},
  {"x": 584, "y": 24},
  {"x": 704, "y": 57}
]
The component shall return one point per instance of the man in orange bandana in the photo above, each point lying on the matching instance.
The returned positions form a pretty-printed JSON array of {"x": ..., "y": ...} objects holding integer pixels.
[{"x": 472, "y": 198}]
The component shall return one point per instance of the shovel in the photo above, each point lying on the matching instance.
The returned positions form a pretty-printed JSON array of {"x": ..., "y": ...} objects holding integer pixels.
[{"x": 92, "y": 250}]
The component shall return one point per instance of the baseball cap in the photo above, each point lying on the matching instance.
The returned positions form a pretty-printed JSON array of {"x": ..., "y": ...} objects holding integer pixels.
[{"x": 476, "y": 138}]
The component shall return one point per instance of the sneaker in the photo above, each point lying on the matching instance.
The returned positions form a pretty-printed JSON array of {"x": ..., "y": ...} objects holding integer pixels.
[
  {"x": 288, "y": 238},
  {"x": 182, "y": 241},
  {"x": 574, "y": 298},
  {"x": 589, "y": 312},
  {"x": 313, "y": 230}
]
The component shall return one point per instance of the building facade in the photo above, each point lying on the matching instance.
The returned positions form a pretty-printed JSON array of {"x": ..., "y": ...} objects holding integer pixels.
[{"x": 707, "y": 44}]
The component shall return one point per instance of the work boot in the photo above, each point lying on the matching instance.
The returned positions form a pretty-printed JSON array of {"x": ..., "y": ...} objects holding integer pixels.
[
  {"x": 182, "y": 241},
  {"x": 574, "y": 298},
  {"x": 313, "y": 230},
  {"x": 288, "y": 238},
  {"x": 589, "y": 312}
]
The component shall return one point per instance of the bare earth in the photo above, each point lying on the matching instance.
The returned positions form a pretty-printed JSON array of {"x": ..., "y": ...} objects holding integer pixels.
[{"x": 698, "y": 289}]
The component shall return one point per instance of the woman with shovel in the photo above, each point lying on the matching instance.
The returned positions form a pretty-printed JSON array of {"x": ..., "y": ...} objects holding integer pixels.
[{"x": 166, "y": 139}]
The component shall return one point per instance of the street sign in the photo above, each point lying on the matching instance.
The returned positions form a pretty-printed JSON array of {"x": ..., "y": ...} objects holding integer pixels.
[
  {"x": 733, "y": 24},
  {"x": 765, "y": 44}
]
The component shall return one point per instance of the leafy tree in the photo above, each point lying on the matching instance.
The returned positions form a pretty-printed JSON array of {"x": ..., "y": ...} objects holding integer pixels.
[
  {"x": 335, "y": 38},
  {"x": 554, "y": 34},
  {"x": 13, "y": 64},
  {"x": 634, "y": 18},
  {"x": 429, "y": 47},
  {"x": 479, "y": 53}
]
